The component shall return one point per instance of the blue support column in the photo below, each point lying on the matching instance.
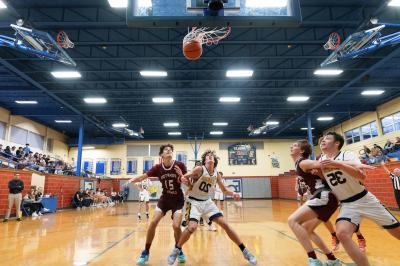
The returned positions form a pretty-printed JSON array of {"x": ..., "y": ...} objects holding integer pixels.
[
  {"x": 310, "y": 140},
  {"x": 80, "y": 144}
]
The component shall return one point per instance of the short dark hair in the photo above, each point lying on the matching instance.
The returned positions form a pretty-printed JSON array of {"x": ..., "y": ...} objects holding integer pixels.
[
  {"x": 203, "y": 157},
  {"x": 336, "y": 137},
  {"x": 305, "y": 147},
  {"x": 162, "y": 147}
]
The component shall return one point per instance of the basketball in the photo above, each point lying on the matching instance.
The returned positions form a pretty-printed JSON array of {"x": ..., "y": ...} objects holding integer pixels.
[{"x": 192, "y": 50}]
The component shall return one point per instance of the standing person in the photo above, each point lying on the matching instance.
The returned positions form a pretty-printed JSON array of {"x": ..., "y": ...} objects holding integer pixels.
[
  {"x": 200, "y": 203},
  {"x": 345, "y": 178},
  {"x": 302, "y": 190},
  {"x": 395, "y": 176},
  {"x": 27, "y": 149},
  {"x": 169, "y": 173},
  {"x": 15, "y": 186},
  {"x": 144, "y": 196}
]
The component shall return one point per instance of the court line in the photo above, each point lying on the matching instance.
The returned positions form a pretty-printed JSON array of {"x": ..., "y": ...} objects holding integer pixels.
[{"x": 110, "y": 247}]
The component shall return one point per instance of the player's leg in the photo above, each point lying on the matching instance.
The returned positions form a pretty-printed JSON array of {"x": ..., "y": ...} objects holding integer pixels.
[
  {"x": 335, "y": 240},
  {"x": 362, "y": 243},
  {"x": 140, "y": 208}
]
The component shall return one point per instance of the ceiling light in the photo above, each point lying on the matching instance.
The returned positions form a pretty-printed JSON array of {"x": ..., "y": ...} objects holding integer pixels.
[
  {"x": 88, "y": 148},
  {"x": 153, "y": 73},
  {"x": 325, "y": 118},
  {"x": 163, "y": 100},
  {"x": 118, "y": 3},
  {"x": 26, "y": 102},
  {"x": 266, "y": 3},
  {"x": 272, "y": 123},
  {"x": 120, "y": 125},
  {"x": 171, "y": 124},
  {"x": 66, "y": 74},
  {"x": 174, "y": 133},
  {"x": 372, "y": 92},
  {"x": 2, "y": 5},
  {"x": 216, "y": 133},
  {"x": 328, "y": 72},
  {"x": 229, "y": 99},
  {"x": 220, "y": 124},
  {"x": 63, "y": 121},
  {"x": 297, "y": 98},
  {"x": 239, "y": 73},
  {"x": 306, "y": 128},
  {"x": 95, "y": 100},
  {"x": 394, "y": 3}
]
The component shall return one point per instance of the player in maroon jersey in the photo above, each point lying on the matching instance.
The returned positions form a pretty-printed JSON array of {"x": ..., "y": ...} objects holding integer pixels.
[{"x": 169, "y": 173}]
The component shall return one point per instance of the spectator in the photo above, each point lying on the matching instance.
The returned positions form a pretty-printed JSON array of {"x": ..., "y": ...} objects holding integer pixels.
[
  {"x": 389, "y": 146},
  {"x": 397, "y": 144},
  {"x": 27, "y": 150},
  {"x": 376, "y": 146},
  {"x": 15, "y": 186},
  {"x": 395, "y": 176},
  {"x": 18, "y": 152},
  {"x": 7, "y": 152},
  {"x": 78, "y": 198},
  {"x": 31, "y": 204},
  {"x": 14, "y": 151}
]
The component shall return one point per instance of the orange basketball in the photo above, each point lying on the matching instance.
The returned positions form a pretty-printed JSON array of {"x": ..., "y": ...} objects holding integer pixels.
[{"x": 192, "y": 50}]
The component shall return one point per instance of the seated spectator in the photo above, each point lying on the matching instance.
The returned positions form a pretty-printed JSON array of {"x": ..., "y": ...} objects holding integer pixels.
[
  {"x": 376, "y": 156},
  {"x": 389, "y": 147},
  {"x": 378, "y": 147},
  {"x": 13, "y": 151},
  {"x": 78, "y": 199},
  {"x": 87, "y": 200},
  {"x": 30, "y": 203}
]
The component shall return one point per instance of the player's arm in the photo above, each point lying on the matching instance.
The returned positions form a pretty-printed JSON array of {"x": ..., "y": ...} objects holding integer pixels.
[
  {"x": 345, "y": 166},
  {"x": 137, "y": 179},
  {"x": 385, "y": 168},
  {"x": 236, "y": 196},
  {"x": 296, "y": 188},
  {"x": 308, "y": 165},
  {"x": 195, "y": 173}
]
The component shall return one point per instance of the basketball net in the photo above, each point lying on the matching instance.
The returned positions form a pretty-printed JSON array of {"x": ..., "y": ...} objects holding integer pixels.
[
  {"x": 207, "y": 36},
  {"x": 64, "y": 41}
]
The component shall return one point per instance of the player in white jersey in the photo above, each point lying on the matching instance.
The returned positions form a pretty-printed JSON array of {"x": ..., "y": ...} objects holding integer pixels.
[
  {"x": 344, "y": 176},
  {"x": 144, "y": 196},
  {"x": 206, "y": 177}
]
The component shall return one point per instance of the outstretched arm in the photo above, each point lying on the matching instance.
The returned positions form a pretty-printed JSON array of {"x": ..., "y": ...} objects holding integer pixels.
[
  {"x": 195, "y": 173},
  {"x": 351, "y": 170},
  {"x": 136, "y": 179},
  {"x": 385, "y": 168}
]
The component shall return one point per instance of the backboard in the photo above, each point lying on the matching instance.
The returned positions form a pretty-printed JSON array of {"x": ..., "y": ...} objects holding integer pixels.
[{"x": 195, "y": 13}]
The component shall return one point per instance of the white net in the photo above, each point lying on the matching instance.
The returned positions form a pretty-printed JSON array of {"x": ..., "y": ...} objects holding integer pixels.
[
  {"x": 207, "y": 36},
  {"x": 64, "y": 41}
]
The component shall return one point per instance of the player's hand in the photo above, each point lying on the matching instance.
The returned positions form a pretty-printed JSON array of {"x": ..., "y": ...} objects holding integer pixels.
[
  {"x": 330, "y": 163},
  {"x": 236, "y": 196},
  {"x": 185, "y": 180},
  {"x": 178, "y": 170},
  {"x": 317, "y": 172}
]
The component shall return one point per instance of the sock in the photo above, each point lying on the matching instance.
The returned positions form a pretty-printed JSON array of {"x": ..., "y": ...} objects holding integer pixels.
[
  {"x": 312, "y": 255},
  {"x": 333, "y": 234},
  {"x": 147, "y": 247},
  {"x": 145, "y": 252},
  {"x": 330, "y": 256},
  {"x": 180, "y": 248},
  {"x": 241, "y": 246},
  {"x": 360, "y": 236}
]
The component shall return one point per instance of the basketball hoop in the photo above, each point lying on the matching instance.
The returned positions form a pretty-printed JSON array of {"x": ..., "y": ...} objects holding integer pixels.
[
  {"x": 64, "y": 41},
  {"x": 333, "y": 42},
  {"x": 207, "y": 36}
]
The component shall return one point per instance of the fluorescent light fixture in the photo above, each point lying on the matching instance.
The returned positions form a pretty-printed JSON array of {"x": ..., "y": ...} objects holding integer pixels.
[
  {"x": 146, "y": 73},
  {"x": 174, "y": 133},
  {"x": 66, "y": 74},
  {"x": 266, "y": 3},
  {"x": 95, "y": 100},
  {"x": 229, "y": 99},
  {"x": 272, "y": 123},
  {"x": 216, "y": 133},
  {"x": 26, "y": 102},
  {"x": 328, "y": 72},
  {"x": 244, "y": 73},
  {"x": 134, "y": 134},
  {"x": 163, "y": 100},
  {"x": 305, "y": 128},
  {"x": 118, "y": 3},
  {"x": 88, "y": 148},
  {"x": 325, "y": 118},
  {"x": 223, "y": 124},
  {"x": 63, "y": 121},
  {"x": 372, "y": 92},
  {"x": 394, "y": 3},
  {"x": 297, "y": 98},
  {"x": 120, "y": 125},
  {"x": 2, "y": 5},
  {"x": 171, "y": 124}
]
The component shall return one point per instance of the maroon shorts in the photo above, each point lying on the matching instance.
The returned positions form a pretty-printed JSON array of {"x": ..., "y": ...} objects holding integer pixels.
[
  {"x": 324, "y": 203},
  {"x": 169, "y": 203}
]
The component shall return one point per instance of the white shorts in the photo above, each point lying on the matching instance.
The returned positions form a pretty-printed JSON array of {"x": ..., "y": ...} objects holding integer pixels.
[
  {"x": 367, "y": 207},
  {"x": 144, "y": 196},
  {"x": 218, "y": 195},
  {"x": 195, "y": 209}
]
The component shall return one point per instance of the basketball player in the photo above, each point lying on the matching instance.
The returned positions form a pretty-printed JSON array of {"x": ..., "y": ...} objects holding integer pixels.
[
  {"x": 201, "y": 204},
  {"x": 144, "y": 196},
  {"x": 318, "y": 209},
  {"x": 346, "y": 182},
  {"x": 168, "y": 172},
  {"x": 302, "y": 190}
]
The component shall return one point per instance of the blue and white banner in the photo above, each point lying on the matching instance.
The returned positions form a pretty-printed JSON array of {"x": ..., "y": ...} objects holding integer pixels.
[{"x": 235, "y": 185}]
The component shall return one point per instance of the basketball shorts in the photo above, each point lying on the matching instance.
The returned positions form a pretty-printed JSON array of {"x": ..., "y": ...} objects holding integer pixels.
[
  {"x": 324, "y": 203},
  {"x": 144, "y": 196},
  {"x": 367, "y": 207},
  {"x": 195, "y": 209},
  {"x": 169, "y": 203},
  {"x": 218, "y": 195}
]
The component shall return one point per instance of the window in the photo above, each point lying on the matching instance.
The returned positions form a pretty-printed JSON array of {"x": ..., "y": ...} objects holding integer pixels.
[
  {"x": 101, "y": 167},
  {"x": 131, "y": 167},
  {"x": 361, "y": 133},
  {"x": 115, "y": 167},
  {"x": 35, "y": 140},
  {"x": 18, "y": 135},
  {"x": 391, "y": 123},
  {"x": 181, "y": 157},
  {"x": 147, "y": 165},
  {"x": 2, "y": 130},
  {"x": 88, "y": 165}
]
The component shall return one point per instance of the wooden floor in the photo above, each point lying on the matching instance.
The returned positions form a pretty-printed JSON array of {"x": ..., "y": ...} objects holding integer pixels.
[{"x": 114, "y": 236}]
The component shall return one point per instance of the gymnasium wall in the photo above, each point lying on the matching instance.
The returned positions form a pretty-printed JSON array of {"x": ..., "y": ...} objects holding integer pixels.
[
  {"x": 60, "y": 148},
  {"x": 383, "y": 110}
]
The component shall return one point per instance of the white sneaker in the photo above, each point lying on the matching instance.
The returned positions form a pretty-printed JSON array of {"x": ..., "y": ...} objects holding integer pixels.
[
  {"x": 212, "y": 228},
  {"x": 35, "y": 214},
  {"x": 46, "y": 210},
  {"x": 333, "y": 263},
  {"x": 314, "y": 262},
  {"x": 39, "y": 213},
  {"x": 250, "y": 257}
]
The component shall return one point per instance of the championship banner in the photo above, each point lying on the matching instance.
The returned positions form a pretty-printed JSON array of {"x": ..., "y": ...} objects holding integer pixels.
[{"x": 242, "y": 154}]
